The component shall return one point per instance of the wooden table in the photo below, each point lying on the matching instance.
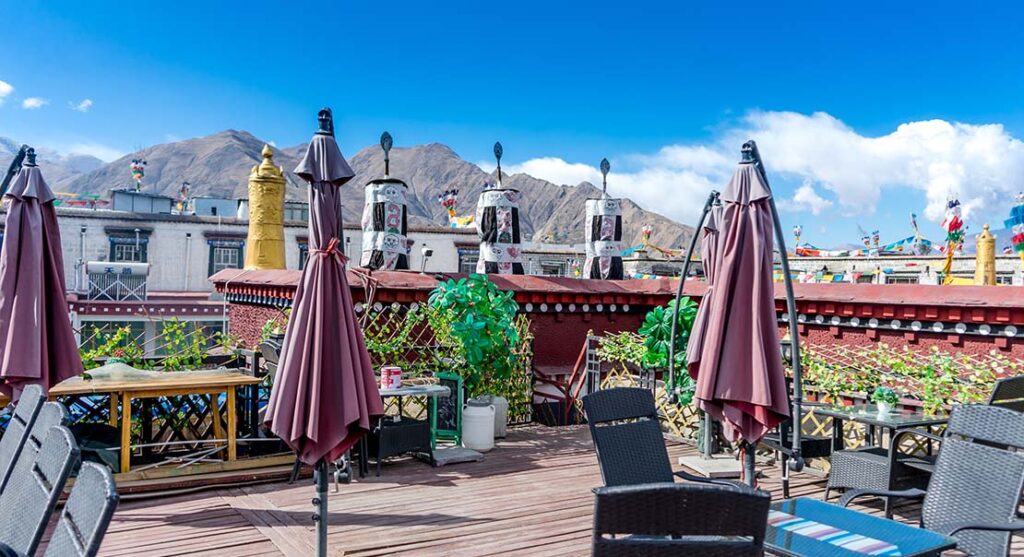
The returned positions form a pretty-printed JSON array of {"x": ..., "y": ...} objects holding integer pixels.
[{"x": 161, "y": 384}]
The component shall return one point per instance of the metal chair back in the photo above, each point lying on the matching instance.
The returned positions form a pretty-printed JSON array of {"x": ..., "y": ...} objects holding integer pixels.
[
  {"x": 14, "y": 438},
  {"x": 979, "y": 477},
  {"x": 29, "y": 502},
  {"x": 1008, "y": 393},
  {"x": 86, "y": 514},
  {"x": 679, "y": 519},
  {"x": 627, "y": 437}
]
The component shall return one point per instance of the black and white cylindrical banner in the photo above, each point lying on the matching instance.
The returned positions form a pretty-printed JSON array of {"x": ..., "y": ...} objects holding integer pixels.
[
  {"x": 497, "y": 223},
  {"x": 604, "y": 239},
  {"x": 385, "y": 243}
]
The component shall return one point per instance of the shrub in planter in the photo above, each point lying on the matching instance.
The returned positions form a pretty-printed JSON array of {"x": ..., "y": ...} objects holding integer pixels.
[{"x": 481, "y": 320}]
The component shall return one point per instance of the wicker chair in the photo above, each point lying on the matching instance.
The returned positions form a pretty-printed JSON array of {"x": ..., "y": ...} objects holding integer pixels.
[
  {"x": 1008, "y": 393},
  {"x": 27, "y": 506},
  {"x": 667, "y": 519},
  {"x": 86, "y": 514},
  {"x": 627, "y": 438},
  {"x": 976, "y": 488},
  {"x": 887, "y": 469},
  {"x": 17, "y": 430}
]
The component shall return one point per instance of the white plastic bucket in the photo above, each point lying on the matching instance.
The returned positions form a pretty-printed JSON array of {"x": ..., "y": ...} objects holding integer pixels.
[{"x": 478, "y": 427}]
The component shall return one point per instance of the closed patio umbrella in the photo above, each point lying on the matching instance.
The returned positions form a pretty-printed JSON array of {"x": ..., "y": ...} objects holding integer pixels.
[
  {"x": 324, "y": 394},
  {"x": 739, "y": 371},
  {"x": 37, "y": 344}
]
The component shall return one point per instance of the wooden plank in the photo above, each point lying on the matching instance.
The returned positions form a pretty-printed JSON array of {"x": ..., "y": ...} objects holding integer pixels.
[{"x": 530, "y": 497}]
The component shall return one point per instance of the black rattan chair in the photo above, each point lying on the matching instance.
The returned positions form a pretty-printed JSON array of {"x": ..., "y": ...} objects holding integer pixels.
[
  {"x": 86, "y": 514},
  {"x": 888, "y": 469},
  {"x": 668, "y": 519},
  {"x": 17, "y": 430},
  {"x": 26, "y": 507},
  {"x": 976, "y": 488},
  {"x": 627, "y": 438},
  {"x": 1008, "y": 393}
]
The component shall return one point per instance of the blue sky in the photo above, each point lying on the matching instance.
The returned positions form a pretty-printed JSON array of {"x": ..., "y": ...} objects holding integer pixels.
[{"x": 665, "y": 89}]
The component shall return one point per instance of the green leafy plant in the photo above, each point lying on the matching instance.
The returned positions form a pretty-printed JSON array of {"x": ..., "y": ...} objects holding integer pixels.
[
  {"x": 656, "y": 331},
  {"x": 185, "y": 349},
  {"x": 481, "y": 319},
  {"x": 119, "y": 344},
  {"x": 934, "y": 378},
  {"x": 886, "y": 395},
  {"x": 276, "y": 325},
  {"x": 622, "y": 348}
]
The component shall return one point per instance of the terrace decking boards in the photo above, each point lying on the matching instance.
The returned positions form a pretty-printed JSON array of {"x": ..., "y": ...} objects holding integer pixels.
[{"x": 531, "y": 496}]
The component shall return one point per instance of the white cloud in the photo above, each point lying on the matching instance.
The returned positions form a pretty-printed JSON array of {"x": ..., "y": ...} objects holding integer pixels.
[
  {"x": 556, "y": 170},
  {"x": 805, "y": 198},
  {"x": 979, "y": 164},
  {"x": 81, "y": 106},
  {"x": 5, "y": 89},
  {"x": 32, "y": 103},
  {"x": 102, "y": 152}
]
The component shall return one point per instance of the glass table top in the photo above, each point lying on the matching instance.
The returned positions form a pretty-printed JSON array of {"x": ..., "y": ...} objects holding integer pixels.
[
  {"x": 798, "y": 527},
  {"x": 896, "y": 419}
]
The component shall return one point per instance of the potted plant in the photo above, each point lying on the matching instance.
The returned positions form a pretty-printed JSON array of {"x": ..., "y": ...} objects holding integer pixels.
[
  {"x": 885, "y": 399},
  {"x": 480, "y": 319}
]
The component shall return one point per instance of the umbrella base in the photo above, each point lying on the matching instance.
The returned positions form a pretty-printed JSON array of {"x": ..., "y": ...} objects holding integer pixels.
[{"x": 716, "y": 467}]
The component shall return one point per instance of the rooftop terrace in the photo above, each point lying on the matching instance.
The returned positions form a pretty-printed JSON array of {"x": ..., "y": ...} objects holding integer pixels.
[{"x": 530, "y": 497}]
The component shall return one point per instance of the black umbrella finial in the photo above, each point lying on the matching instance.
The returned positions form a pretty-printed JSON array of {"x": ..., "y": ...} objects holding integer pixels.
[
  {"x": 30, "y": 157},
  {"x": 385, "y": 143},
  {"x": 498, "y": 152},
  {"x": 605, "y": 167},
  {"x": 750, "y": 153},
  {"x": 326, "y": 120}
]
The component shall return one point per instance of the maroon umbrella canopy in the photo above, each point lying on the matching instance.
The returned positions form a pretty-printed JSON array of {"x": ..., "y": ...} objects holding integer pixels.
[
  {"x": 37, "y": 344},
  {"x": 325, "y": 392},
  {"x": 708, "y": 258},
  {"x": 739, "y": 372}
]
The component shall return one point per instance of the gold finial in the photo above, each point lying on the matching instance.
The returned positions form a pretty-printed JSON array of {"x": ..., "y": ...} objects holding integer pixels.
[{"x": 267, "y": 167}]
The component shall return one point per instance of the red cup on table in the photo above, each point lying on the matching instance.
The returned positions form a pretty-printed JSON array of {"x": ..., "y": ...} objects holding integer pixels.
[{"x": 390, "y": 377}]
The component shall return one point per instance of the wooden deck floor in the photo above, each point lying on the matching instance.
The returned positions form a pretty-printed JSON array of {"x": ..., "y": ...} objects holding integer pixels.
[{"x": 531, "y": 496}]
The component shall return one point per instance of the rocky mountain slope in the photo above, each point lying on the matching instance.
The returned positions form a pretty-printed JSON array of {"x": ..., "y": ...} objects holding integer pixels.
[{"x": 219, "y": 164}]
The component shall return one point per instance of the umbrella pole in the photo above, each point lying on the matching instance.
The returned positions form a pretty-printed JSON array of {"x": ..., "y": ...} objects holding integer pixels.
[
  {"x": 712, "y": 197},
  {"x": 796, "y": 462},
  {"x": 749, "y": 473},
  {"x": 320, "y": 505}
]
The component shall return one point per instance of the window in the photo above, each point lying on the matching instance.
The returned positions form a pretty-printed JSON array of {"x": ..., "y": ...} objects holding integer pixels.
[
  {"x": 467, "y": 259},
  {"x": 296, "y": 211},
  {"x": 129, "y": 246},
  {"x": 225, "y": 254},
  {"x": 127, "y": 252},
  {"x": 553, "y": 268},
  {"x": 224, "y": 258},
  {"x": 1000, "y": 278},
  {"x": 303, "y": 255},
  {"x": 901, "y": 279}
]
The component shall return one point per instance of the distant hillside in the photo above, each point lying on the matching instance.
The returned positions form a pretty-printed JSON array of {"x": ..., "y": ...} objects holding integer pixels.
[{"x": 219, "y": 165}]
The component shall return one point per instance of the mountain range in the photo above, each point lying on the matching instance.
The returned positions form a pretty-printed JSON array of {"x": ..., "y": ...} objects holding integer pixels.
[{"x": 218, "y": 165}]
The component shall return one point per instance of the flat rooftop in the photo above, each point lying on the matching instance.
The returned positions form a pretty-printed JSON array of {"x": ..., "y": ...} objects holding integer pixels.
[{"x": 531, "y": 496}]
